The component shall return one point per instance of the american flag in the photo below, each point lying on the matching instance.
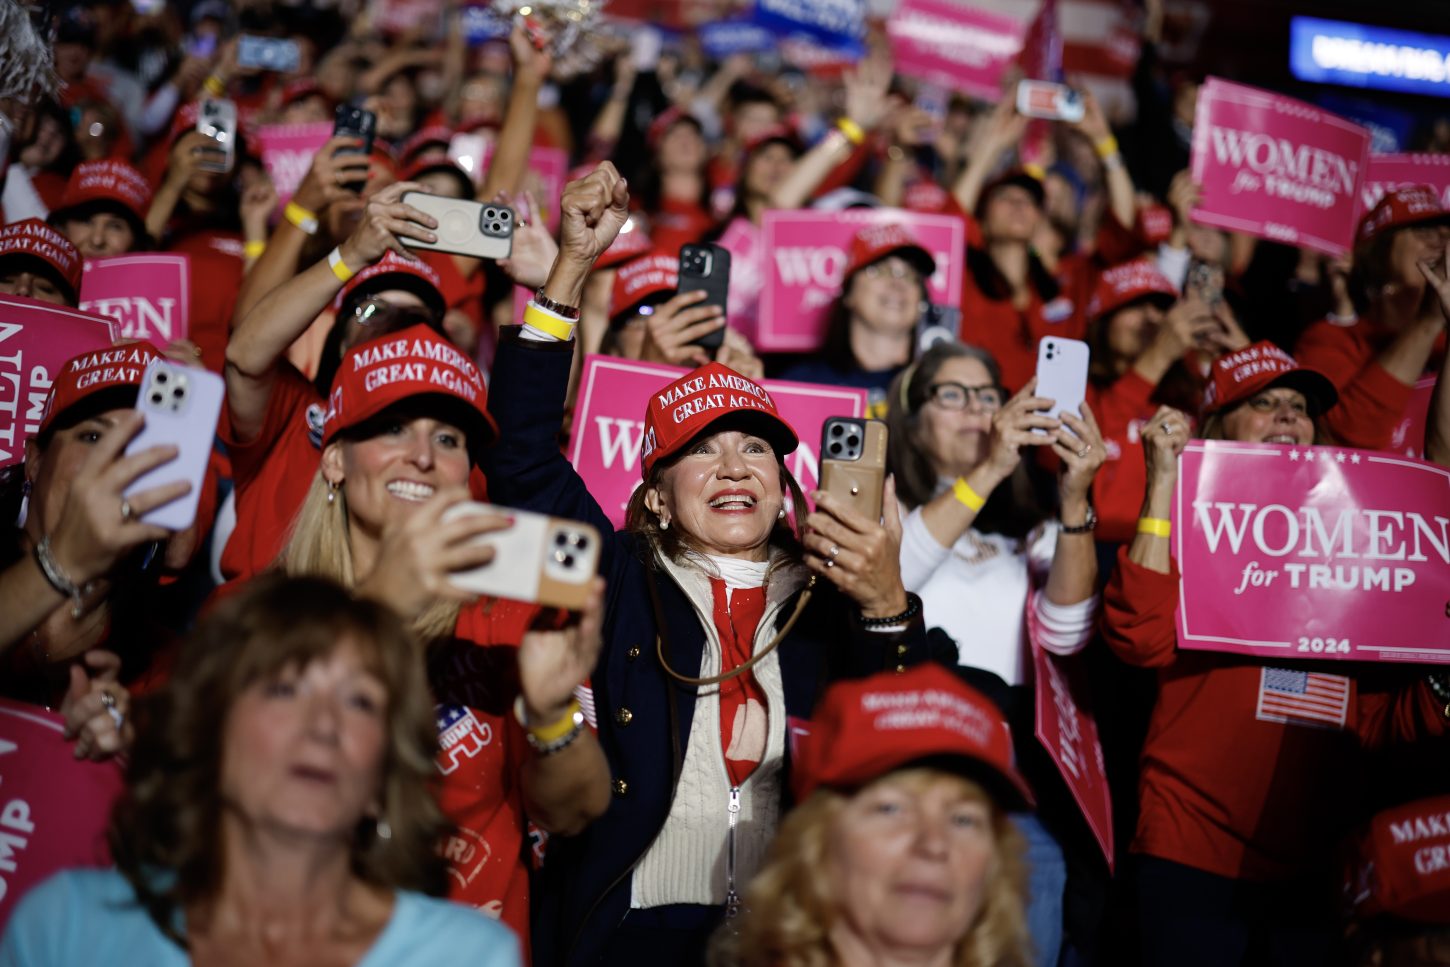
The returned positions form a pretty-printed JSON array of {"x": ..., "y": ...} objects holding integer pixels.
[{"x": 1303, "y": 698}]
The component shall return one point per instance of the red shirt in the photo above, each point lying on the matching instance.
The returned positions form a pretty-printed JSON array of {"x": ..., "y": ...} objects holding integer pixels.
[
  {"x": 272, "y": 473},
  {"x": 482, "y": 752},
  {"x": 1220, "y": 788},
  {"x": 215, "y": 280},
  {"x": 678, "y": 223},
  {"x": 1371, "y": 401}
]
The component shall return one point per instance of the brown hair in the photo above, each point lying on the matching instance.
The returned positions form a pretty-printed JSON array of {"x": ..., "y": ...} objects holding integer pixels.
[
  {"x": 1178, "y": 388},
  {"x": 1211, "y": 428},
  {"x": 790, "y": 906},
  {"x": 168, "y": 820},
  {"x": 1012, "y": 509}
]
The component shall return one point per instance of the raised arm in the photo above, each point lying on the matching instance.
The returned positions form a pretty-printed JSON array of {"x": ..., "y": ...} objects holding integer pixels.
[
  {"x": 865, "y": 107},
  {"x": 1000, "y": 133},
  {"x": 1121, "y": 194},
  {"x": 282, "y": 315},
  {"x": 516, "y": 137}
]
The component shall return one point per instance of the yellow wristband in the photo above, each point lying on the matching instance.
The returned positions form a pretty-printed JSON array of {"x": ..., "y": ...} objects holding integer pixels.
[
  {"x": 305, "y": 220},
  {"x": 1156, "y": 526},
  {"x": 556, "y": 730},
  {"x": 339, "y": 267},
  {"x": 1107, "y": 147},
  {"x": 969, "y": 497},
  {"x": 560, "y": 329},
  {"x": 254, "y": 249},
  {"x": 213, "y": 85},
  {"x": 851, "y": 130}
]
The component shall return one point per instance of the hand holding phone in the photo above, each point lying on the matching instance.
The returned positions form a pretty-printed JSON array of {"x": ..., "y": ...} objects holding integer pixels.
[
  {"x": 355, "y": 122},
  {"x": 706, "y": 268},
  {"x": 181, "y": 405},
  {"x": 217, "y": 119}
]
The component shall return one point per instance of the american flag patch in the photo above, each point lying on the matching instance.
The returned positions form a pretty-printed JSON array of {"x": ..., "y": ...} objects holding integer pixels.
[{"x": 1303, "y": 698}]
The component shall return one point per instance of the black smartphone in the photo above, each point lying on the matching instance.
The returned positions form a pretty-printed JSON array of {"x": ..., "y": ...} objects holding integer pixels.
[
  {"x": 355, "y": 122},
  {"x": 707, "y": 268}
]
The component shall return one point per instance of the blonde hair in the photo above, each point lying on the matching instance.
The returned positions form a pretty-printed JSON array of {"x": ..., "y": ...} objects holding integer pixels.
[
  {"x": 320, "y": 545},
  {"x": 791, "y": 906}
]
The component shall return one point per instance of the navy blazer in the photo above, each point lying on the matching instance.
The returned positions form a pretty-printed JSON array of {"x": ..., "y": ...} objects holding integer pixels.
[{"x": 584, "y": 890}]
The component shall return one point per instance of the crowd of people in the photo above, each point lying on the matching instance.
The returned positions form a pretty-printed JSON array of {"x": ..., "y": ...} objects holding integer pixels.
[{"x": 774, "y": 729}]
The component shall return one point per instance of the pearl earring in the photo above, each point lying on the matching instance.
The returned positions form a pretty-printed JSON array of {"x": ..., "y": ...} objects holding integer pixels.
[
  {"x": 664, "y": 524},
  {"x": 780, "y": 515},
  {"x": 331, "y": 492}
]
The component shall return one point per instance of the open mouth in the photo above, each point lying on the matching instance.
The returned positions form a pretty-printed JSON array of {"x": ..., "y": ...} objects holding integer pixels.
[
  {"x": 1281, "y": 438},
  {"x": 736, "y": 502},
  {"x": 313, "y": 774},
  {"x": 410, "y": 490}
]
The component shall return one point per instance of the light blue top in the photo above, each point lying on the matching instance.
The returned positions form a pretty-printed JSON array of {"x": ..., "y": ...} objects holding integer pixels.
[{"x": 91, "y": 917}]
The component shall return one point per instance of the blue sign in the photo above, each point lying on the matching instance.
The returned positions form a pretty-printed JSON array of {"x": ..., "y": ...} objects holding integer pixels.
[
  {"x": 727, "y": 37},
  {"x": 480, "y": 25},
  {"x": 837, "y": 23},
  {"x": 1357, "y": 55},
  {"x": 1389, "y": 128}
]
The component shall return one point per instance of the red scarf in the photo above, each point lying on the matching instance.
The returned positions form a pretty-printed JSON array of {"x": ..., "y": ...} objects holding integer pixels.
[{"x": 743, "y": 717}]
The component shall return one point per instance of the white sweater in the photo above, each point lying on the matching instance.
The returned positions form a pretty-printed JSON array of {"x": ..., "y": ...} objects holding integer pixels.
[{"x": 976, "y": 591}]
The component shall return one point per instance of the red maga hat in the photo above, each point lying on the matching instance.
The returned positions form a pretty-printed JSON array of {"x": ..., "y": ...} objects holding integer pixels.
[
  {"x": 433, "y": 135},
  {"x": 641, "y": 279},
  {"x": 775, "y": 134},
  {"x": 865, "y": 728},
  {"x": 1403, "y": 863},
  {"x": 409, "y": 364},
  {"x": 666, "y": 120},
  {"x": 106, "y": 183},
  {"x": 1402, "y": 206},
  {"x": 876, "y": 242},
  {"x": 1129, "y": 282},
  {"x": 37, "y": 242},
  {"x": 115, "y": 372},
  {"x": 688, "y": 407},
  {"x": 393, "y": 272},
  {"x": 1238, "y": 376}
]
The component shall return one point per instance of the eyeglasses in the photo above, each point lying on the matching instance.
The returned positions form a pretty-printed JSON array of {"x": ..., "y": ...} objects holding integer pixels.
[
  {"x": 955, "y": 396},
  {"x": 383, "y": 316},
  {"x": 892, "y": 268}
]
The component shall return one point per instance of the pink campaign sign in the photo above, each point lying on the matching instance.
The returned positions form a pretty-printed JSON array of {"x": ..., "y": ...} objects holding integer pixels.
[
  {"x": 955, "y": 46},
  {"x": 1277, "y": 168},
  {"x": 1389, "y": 171},
  {"x": 53, "y": 809},
  {"x": 609, "y": 424},
  {"x": 1067, "y": 730},
  {"x": 287, "y": 151},
  {"x": 805, "y": 261},
  {"x": 36, "y": 338},
  {"x": 1312, "y": 552},
  {"x": 149, "y": 296}
]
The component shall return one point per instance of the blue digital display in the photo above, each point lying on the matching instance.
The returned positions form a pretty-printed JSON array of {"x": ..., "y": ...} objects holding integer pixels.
[{"x": 1357, "y": 55}]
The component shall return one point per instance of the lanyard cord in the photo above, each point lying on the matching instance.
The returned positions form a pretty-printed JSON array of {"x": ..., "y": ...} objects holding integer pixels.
[{"x": 740, "y": 669}]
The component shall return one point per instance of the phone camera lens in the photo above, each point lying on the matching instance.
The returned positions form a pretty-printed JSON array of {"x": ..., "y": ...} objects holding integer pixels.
[
  {"x": 837, "y": 430},
  {"x": 495, "y": 227},
  {"x": 853, "y": 441},
  {"x": 568, "y": 560},
  {"x": 561, "y": 539},
  {"x": 155, "y": 397},
  {"x": 580, "y": 541},
  {"x": 161, "y": 377},
  {"x": 835, "y": 448},
  {"x": 178, "y": 392}
]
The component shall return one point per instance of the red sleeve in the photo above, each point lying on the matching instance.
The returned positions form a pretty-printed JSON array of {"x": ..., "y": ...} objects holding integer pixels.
[
  {"x": 1138, "y": 606},
  {"x": 1114, "y": 243},
  {"x": 291, "y": 393},
  {"x": 215, "y": 281},
  {"x": 1339, "y": 352},
  {"x": 1120, "y": 403},
  {"x": 1369, "y": 409}
]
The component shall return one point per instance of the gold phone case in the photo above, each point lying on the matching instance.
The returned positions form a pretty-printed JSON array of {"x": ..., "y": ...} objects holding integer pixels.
[{"x": 860, "y": 482}]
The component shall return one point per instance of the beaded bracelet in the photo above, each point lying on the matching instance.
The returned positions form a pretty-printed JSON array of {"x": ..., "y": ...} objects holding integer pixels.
[{"x": 913, "y": 608}]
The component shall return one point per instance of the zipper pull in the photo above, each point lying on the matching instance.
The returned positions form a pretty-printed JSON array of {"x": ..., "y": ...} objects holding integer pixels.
[{"x": 732, "y": 898}]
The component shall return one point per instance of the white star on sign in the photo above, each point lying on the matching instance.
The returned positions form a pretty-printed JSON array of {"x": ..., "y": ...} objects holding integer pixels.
[
  {"x": 1354, "y": 458},
  {"x": 1294, "y": 455},
  {"x": 1339, "y": 458},
  {"x": 1308, "y": 456}
]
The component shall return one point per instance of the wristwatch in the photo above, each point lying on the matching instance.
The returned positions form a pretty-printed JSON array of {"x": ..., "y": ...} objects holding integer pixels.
[
  {"x": 544, "y": 302},
  {"x": 1086, "y": 527}
]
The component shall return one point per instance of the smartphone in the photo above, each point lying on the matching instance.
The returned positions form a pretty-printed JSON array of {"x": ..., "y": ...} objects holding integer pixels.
[
  {"x": 217, "y": 119},
  {"x": 465, "y": 227},
  {"x": 268, "y": 53},
  {"x": 1206, "y": 281},
  {"x": 937, "y": 324},
  {"x": 853, "y": 463},
  {"x": 181, "y": 405},
  {"x": 355, "y": 122},
  {"x": 201, "y": 45},
  {"x": 541, "y": 559},
  {"x": 1062, "y": 373},
  {"x": 1044, "y": 99},
  {"x": 707, "y": 268}
]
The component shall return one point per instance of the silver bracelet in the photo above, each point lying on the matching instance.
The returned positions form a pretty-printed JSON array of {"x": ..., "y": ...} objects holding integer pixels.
[{"x": 60, "y": 580}]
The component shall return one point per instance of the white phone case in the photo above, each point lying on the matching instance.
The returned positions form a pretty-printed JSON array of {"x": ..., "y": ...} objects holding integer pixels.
[
  {"x": 1062, "y": 373},
  {"x": 543, "y": 559},
  {"x": 181, "y": 405},
  {"x": 465, "y": 227}
]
